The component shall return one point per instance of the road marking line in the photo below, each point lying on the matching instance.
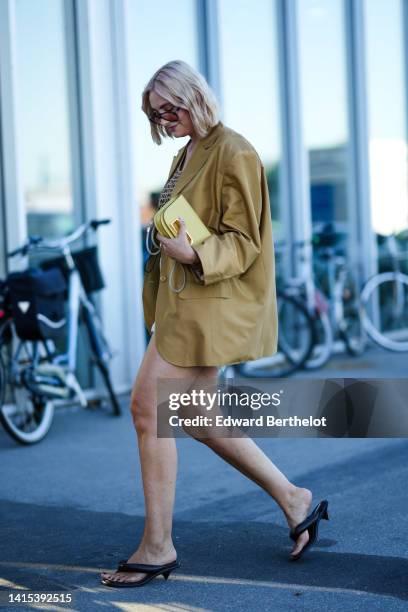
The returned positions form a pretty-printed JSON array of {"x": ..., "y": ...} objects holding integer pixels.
[{"x": 201, "y": 579}]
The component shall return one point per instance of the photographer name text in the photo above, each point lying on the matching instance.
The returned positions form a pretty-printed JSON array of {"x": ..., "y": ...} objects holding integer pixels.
[{"x": 259, "y": 421}]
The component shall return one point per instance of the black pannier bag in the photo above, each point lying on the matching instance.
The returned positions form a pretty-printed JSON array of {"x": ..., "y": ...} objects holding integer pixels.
[
  {"x": 86, "y": 261},
  {"x": 38, "y": 304}
]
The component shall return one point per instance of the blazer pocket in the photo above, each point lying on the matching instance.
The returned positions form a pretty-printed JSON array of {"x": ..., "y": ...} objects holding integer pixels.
[{"x": 193, "y": 290}]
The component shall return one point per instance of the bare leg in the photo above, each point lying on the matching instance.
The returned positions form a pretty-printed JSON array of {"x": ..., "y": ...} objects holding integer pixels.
[
  {"x": 158, "y": 460},
  {"x": 244, "y": 454},
  {"x": 248, "y": 458}
]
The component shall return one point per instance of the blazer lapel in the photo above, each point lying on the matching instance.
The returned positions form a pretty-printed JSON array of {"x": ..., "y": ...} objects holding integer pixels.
[
  {"x": 176, "y": 160},
  {"x": 197, "y": 160}
]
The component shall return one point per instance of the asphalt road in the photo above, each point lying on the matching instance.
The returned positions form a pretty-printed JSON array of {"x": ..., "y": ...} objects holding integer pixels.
[{"x": 73, "y": 505}]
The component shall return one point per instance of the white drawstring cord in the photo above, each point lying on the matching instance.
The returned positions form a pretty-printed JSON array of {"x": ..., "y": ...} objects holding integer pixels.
[
  {"x": 175, "y": 289},
  {"x": 150, "y": 236}
]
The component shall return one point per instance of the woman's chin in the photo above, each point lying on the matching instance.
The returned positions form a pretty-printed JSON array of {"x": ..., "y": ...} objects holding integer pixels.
[{"x": 177, "y": 132}]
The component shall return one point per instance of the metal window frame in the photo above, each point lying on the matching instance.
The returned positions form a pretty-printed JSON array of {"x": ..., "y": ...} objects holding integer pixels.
[
  {"x": 74, "y": 110},
  {"x": 15, "y": 228},
  {"x": 295, "y": 173},
  {"x": 103, "y": 36},
  {"x": 13, "y": 198},
  {"x": 362, "y": 245},
  {"x": 208, "y": 45},
  {"x": 129, "y": 212},
  {"x": 295, "y": 167}
]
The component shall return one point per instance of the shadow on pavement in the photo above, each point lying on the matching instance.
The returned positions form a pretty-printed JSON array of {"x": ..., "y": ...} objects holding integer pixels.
[{"x": 54, "y": 548}]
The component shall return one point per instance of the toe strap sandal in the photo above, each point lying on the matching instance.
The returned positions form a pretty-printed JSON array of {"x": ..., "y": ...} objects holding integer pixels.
[
  {"x": 311, "y": 525},
  {"x": 151, "y": 570}
]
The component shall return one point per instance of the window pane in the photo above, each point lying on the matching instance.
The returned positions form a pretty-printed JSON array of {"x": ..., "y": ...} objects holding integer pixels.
[
  {"x": 387, "y": 115},
  {"x": 249, "y": 77},
  {"x": 324, "y": 108},
  {"x": 43, "y": 116},
  {"x": 161, "y": 31}
]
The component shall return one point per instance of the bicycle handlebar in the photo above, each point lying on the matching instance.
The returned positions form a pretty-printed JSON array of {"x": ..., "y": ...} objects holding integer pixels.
[
  {"x": 95, "y": 223},
  {"x": 33, "y": 242}
]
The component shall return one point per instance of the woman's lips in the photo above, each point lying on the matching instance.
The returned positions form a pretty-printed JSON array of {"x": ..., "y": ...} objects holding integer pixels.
[{"x": 173, "y": 127}]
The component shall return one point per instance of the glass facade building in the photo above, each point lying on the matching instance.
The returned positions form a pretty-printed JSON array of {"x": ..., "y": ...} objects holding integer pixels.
[{"x": 319, "y": 87}]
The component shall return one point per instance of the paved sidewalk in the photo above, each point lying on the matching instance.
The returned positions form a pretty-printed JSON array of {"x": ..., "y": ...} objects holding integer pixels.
[
  {"x": 73, "y": 505},
  {"x": 374, "y": 363}
]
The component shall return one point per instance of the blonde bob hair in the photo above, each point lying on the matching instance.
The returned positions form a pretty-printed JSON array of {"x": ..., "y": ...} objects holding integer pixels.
[{"x": 183, "y": 86}]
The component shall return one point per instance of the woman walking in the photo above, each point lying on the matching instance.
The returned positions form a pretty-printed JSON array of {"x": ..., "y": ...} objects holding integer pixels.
[{"x": 209, "y": 305}]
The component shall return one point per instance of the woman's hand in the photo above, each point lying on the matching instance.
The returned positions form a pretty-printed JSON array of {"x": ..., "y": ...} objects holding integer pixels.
[{"x": 179, "y": 248}]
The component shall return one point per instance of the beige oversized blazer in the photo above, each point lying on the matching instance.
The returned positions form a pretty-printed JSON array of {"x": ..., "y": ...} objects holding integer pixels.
[{"x": 230, "y": 316}]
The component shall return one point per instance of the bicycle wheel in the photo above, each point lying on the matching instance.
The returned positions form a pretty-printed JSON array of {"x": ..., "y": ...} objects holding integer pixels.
[
  {"x": 101, "y": 355},
  {"x": 296, "y": 339},
  {"x": 323, "y": 347},
  {"x": 384, "y": 310},
  {"x": 26, "y": 417}
]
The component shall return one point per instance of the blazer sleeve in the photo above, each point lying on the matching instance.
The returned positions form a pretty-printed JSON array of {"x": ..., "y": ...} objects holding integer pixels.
[{"x": 231, "y": 251}]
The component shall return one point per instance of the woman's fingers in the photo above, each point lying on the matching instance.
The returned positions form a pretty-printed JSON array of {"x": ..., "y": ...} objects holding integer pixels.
[
  {"x": 182, "y": 226},
  {"x": 178, "y": 244}
]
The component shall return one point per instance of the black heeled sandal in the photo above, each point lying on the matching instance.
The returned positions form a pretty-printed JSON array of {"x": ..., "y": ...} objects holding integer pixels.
[
  {"x": 310, "y": 524},
  {"x": 151, "y": 570}
]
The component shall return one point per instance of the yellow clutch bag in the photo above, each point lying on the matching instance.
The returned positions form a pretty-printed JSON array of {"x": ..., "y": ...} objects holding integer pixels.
[{"x": 166, "y": 220}]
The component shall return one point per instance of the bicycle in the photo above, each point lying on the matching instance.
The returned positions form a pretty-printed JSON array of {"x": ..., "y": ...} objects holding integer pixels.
[
  {"x": 330, "y": 297},
  {"x": 296, "y": 339},
  {"x": 336, "y": 294},
  {"x": 384, "y": 303},
  {"x": 303, "y": 288},
  {"x": 323, "y": 316},
  {"x": 33, "y": 371}
]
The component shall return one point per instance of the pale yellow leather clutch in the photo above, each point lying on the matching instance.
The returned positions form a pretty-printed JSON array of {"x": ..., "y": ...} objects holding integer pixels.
[{"x": 166, "y": 220}]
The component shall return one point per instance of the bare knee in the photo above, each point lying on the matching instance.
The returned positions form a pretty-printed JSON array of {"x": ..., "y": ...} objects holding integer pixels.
[{"x": 142, "y": 409}]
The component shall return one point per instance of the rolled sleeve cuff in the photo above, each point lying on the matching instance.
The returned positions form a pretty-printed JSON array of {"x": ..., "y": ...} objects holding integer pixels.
[
  {"x": 197, "y": 270},
  {"x": 203, "y": 269}
]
